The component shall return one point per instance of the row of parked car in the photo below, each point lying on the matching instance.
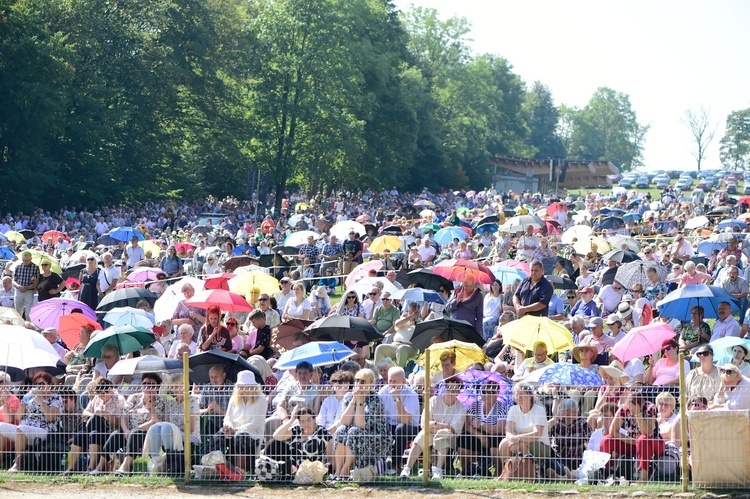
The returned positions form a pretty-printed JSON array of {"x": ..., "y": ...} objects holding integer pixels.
[{"x": 706, "y": 180}]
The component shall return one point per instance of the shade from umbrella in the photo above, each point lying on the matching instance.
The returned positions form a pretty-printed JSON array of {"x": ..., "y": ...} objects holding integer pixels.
[
  {"x": 447, "y": 329},
  {"x": 70, "y": 326},
  {"x": 341, "y": 230},
  {"x": 488, "y": 227},
  {"x": 559, "y": 282},
  {"x": 125, "y": 297},
  {"x": 248, "y": 283},
  {"x": 419, "y": 295},
  {"x": 611, "y": 223},
  {"x": 363, "y": 270},
  {"x": 382, "y": 243},
  {"x": 282, "y": 335},
  {"x": 317, "y": 353},
  {"x": 47, "y": 313},
  {"x": 127, "y": 339},
  {"x": 129, "y": 316},
  {"x": 565, "y": 374},
  {"x": 466, "y": 354},
  {"x": 343, "y": 328},
  {"x": 635, "y": 272},
  {"x": 10, "y": 316},
  {"x": 37, "y": 257},
  {"x": 448, "y": 234},
  {"x": 456, "y": 270},
  {"x": 507, "y": 275},
  {"x": 219, "y": 281},
  {"x": 225, "y": 300},
  {"x": 677, "y": 304},
  {"x": 300, "y": 237},
  {"x": 146, "y": 364},
  {"x": 578, "y": 232},
  {"x": 732, "y": 222},
  {"x": 723, "y": 348},
  {"x": 585, "y": 246},
  {"x": 642, "y": 341},
  {"x": 525, "y": 332},
  {"x": 232, "y": 363},
  {"x": 617, "y": 242},
  {"x": 428, "y": 279},
  {"x": 240, "y": 261},
  {"x": 23, "y": 349},
  {"x": 125, "y": 234}
]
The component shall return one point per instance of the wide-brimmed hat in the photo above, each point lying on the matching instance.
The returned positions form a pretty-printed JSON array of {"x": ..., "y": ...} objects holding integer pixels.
[
  {"x": 624, "y": 310},
  {"x": 614, "y": 372},
  {"x": 577, "y": 351}
]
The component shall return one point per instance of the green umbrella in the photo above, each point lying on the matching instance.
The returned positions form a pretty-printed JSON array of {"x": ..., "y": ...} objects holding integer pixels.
[
  {"x": 463, "y": 211},
  {"x": 127, "y": 338},
  {"x": 430, "y": 226}
]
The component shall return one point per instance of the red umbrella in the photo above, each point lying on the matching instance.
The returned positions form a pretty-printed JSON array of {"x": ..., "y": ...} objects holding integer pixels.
[
  {"x": 455, "y": 270},
  {"x": 516, "y": 265},
  {"x": 555, "y": 207},
  {"x": 466, "y": 229},
  {"x": 184, "y": 247},
  {"x": 219, "y": 281},
  {"x": 54, "y": 234},
  {"x": 70, "y": 326},
  {"x": 226, "y": 300},
  {"x": 744, "y": 200},
  {"x": 363, "y": 218}
]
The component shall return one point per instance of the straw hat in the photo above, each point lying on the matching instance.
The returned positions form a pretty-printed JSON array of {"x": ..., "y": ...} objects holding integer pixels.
[
  {"x": 577, "y": 351},
  {"x": 615, "y": 372}
]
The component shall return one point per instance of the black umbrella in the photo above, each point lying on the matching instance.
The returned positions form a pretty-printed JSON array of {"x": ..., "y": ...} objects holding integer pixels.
[
  {"x": 343, "y": 328},
  {"x": 609, "y": 276},
  {"x": 394, "y": 230},
  {"x": 285, "y": 250},
  {"x": 549, "y": 265},
  {"x": 231, "y": 227},
  {"x": 203, "y": 229},
  {"x": 125, "y": 297},
  {"x": 17, "y": 374},
  {"x": 273, "y": 260},
  {"x": 28, "y": 234},
  {"x": 73, "y": 271},
  {"x": 488, "y": 220},
  {"x": 448, "y": 329},
  {"x": 233, "y": 363},
  {"x": 234, "y": 262},
  {"x": 107, "y": 240},
  {"x": 402, "y": 277},
  {"x": 428, "y": 279},
  {"x": 612, "y": 223},
  {"x": 620, "y": 256},
  {"x": 559, "y": 282},
  {"x": 371, "y": 229}
]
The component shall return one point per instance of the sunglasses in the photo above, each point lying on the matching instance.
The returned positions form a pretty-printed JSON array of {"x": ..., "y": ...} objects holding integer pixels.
[
  {"x": 617, "y": 289},
  {"x": 726, "y": 371},
  {"x": 636, "y": 291},
  {"x": 570, "y": 297},
  {"x": 387, "y": 299},
  {"x": 350, "y": 297},
  {"x": 263, "y": 299},
  {"x": 703, "y": 354},
  {"x": 373, "y": 294},
  {"x": 232, "y": 324},
  {"x": 360, "y": 381}
]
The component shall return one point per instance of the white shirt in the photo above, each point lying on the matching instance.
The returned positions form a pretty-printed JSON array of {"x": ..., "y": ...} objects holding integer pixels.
[
  {"x": 250, "y": 418},
  {"x": 107, "y": 277},
  {"x": 409, "y": 401},
  {"x": 531, "y": 241},
  {"x": 7, "y": 297},
  {"x": 282, "y": 298},
  {"x": 727, "y": 327},
  {"x": 610, "y": 298},
  {"x": 524, "y": 423},
  {"x": 135, "y": 255}
]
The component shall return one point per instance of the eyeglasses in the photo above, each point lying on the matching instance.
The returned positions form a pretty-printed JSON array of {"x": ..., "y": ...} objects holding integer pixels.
[
  {"x": 646, "y": 252},
  {"x": 636, "y": 291},
  {"x": 726, "y": 371},
  {"x": 703, "y": 354},
  {"x": 91, "y": 259},
  {"x": 233, "y": 324}
]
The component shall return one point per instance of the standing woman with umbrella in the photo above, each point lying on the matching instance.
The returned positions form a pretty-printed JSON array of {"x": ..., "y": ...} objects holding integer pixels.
[
  {"x": 89, "y": 277},
  {"x": 467, "y": 303}
]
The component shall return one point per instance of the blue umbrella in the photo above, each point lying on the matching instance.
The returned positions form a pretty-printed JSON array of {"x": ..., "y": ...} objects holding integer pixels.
[
  {"x": 677, "y": 304},
  {"x": 565, "y": 374},
  {"x": 707, "y": 247},
  {"x": 6, "y": 253},
  {"x": 447, "y": 234},
  {"x": 507, "y": 275},
  {"x": 733, "y": 222},
  {"x": 125, "y": 234},
  {"x": 632, "y": 217},
  {"x": 419, "y": 295},
  {"x": 723, "y": 348},
  {"x": 489, "y": 227},
  {"x": 317, "y": 353}
]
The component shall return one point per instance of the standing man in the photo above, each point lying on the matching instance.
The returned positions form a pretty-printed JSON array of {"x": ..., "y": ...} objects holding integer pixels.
[
  {"x": 25, "y": 279},
  {"x": 108, "y": 276},
  {"x": 332, "y": 251},
  {"x": 534, "y": 293},
  {"x": 352, "y": 252},
  {"x": 134, "y": 253}
]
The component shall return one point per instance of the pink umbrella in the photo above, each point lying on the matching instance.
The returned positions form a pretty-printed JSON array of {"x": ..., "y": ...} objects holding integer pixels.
[
  {"x": 226, "y": 300},
  {"x": 363, "y": 218},
  {"x": 466, "y": 229},
  {"x": 131, "y": 284},
  {"x": 455, "y": 270},
  {"x": 184, "y": 247},
  {"x": 143, "y": 274},
  {"x": 47, "y": 313},
  {"x": 642, "y": 341},
  {"x": 362, "y": 270},
  {"x": 516, "y": 265},
  {"x": 219, "y": 281}
]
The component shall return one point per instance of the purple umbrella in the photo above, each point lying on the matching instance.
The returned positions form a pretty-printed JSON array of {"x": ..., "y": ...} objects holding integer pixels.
[
  {"x": 474, "y": 379},
  {"x": 47, "y": 313}
]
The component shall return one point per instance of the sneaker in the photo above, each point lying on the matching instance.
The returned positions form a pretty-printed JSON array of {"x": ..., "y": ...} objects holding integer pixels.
[
  {"x": 437, "y": 473},
  {"x": 13, "y": 469},
  {"x": 405, "y": 473}
]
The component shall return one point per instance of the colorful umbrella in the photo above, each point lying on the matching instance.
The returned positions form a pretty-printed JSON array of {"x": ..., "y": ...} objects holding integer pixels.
[
  {"x": 466, "y": 354},
  {"x": 47, "y": 313},
  {"x": 525, "y": 332},
  {"x": 463, "y": 210},
  {"x": 642, "y": 341},
  {"x": 733, "y": 222},
  {"x": 565, "y": 374},
  {"x": 219, "y": 281},
  {"x": 380, "y": 244},
  {"x": 473, "y": 382},
  {"x": 488, "y": 227},
  {"x": 515, "y": 264},
  {"x": 71, "y": 324},
  {"x": 677, "y": 304},
  {"x": 184, "y": 247},
  {"x": 127, "y": 339},
  {"x": 151, "y": 246},
  {"x": 54, "y": 234},
  {"x": 448, "y": 234},
  {"x": 432, "y": 226},
  {"x": 507, "y": 275},
  {"x": 146, "y": 274},
  {"x": 125, "y": 234},
  {"x": 362, "y": 270},
  {"x": 247, "y": 282},
  {"x": 317, "y": 353},
  {"x": 555, "y": 207},
  {"x": 455, "y": 270},
  {"x": 226, "y": 300},
  {"x": 129, "y": 316}
]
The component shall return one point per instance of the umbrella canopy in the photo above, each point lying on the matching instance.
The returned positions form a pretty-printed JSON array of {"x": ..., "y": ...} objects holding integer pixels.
[
  {"x": 267, "y": 261},
  {"x": 431, "y": 226},
  {"x": 145, "y": 274},
  {"x": 226, "y": 300},
  {"x": 125, "y": 234},
  {"x": 578, "y": 232},
  {"x": 219, "y": 281},
  {"x": 393, "y": 230},
  {"x": 341, "y": 230},
  {"x": 37, "y": 257},
  {"x": 489, "y": 227},
  {"x": 203, "y": 229},
  {"x": 559, "y": 282},
  {"x": 363, "y": 218},
  {"x": 127, "y": 338},
  {"x": 247, "y": 282},
  {"x": 184, "y": 247},
  {"x": 466, "y": 354},
  {"x": 343, "y": 328},
  {"x": 632, "y": 273},
  {"x": 22, "y": 348},
  {"x": 620, "y": 256},
  {"x": 631, "y": 217},
  {"x": 165, "y": 306},
  {"x": 456, "y": 270},
  {"x": 129, "y": 316},
  {"x": 232, "y": 363},
  {"x": 448, "y": 234},
  {"x": 71, "y": 324},
  {"x": 565, "y": 374},
  {"x": 553, "y": 208},
  {"x": 54, "y": 234},
  {"x": 525, "y": 332},
  {"x": 366, "y": 284},
  {"x": 424, "y": 202},
  {"x": 447, "y": 329},
  {"x": 585, "y": 246},
  {"x": 11, "y": 315},
  {"x": 47, "y": 313},
  {"x": 474, "y": 380},
  {"x": 732, "y": 222},
  {"x": 317, "y": 353},
  {"x": 419, "y": 295},
  {"x": 611, "y": 223},
  {"x": 428, "y": 279},
  {"x": 125, "y": 297},
  {"x": 15, "y": 236},
  {"x": 300, "y": 237},
  {"x": 282, "y": 334},
  {"x": 146, "y": 364},
  {"x": 617, "y": 242},
  {"x": 490, "y": 219},
  {"x": 697, "y": 222},
  {"x": 507, "y": 275},
  {"x": 382, "y": 243},
  {"x": 642, "y": 341},
  {"x": 677, "y": 304},
  {"x": 361, "y": 271},
  {"x": 519, "y": 223},
  {"x": 723, "y": 348}
]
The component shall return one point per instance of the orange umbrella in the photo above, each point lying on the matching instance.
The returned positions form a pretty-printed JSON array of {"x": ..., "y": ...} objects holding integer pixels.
[
  {"x": 54, "y": 234},
  {"x": 71, "y": 324}
]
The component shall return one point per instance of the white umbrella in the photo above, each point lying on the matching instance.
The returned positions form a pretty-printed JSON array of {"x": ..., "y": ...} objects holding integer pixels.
[
  {"x": 581, "y": 215},
  {"x": 167, "y": 303},
  {"x": 579, "y": 232},
  {"x": 341, "y": 229},
  {"x": 86, "y": 254},
  {"x": 251, "y": 268},
  {"x": 295, "y": 219},
  {"x": 25, "y": 349},
  {"x": 299, "y": 238},
  {"x": 211, "y": 249},
  {"x": 520, "y": 222},
  {"x": 427, "y": 213},
  {"x": 617, "y": 242},
  {"x": 364, "y": 285},
  {"x": 697, "y": 222},
  {"x": 129, "y": 316}
]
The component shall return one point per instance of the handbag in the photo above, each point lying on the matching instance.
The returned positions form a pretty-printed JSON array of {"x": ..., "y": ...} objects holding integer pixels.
[{"x": 517, "y": 468}]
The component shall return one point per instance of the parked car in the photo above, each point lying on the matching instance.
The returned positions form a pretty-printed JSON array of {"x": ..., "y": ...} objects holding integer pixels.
[
  {"x": 662, "y": 183},
  {"x": 684, "y": 184},
  {"x": 642, "y": 183},
  {"x": 702, "y": 185},
  {"x": 626, "y": 182},
  {"x": 732, "y": 188},
  {"x": 746, "y": 190}
]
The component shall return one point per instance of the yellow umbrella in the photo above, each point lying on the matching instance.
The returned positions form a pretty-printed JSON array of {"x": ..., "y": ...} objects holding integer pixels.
[
  {"x": 244, "y": 283},
  {"x": 466, "y": 354},
  {"x": 380, "y": 244},
  {"x": 150, "y": 246},
  {"x": 37, "y": 257},
  {"x": 583, "y": 246},
  {"x": 301, "y": 207},
  {"x": 525, "y": 332},
  {"x": 16, "y": 237}
]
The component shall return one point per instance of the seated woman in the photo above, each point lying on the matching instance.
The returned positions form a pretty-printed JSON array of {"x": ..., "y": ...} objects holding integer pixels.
[
  {"x": 10, "y": 410},
  {"x": 483, "y": 430},
  {"x": 244, "y": 422},
  {"x": 611, "y": 392},
  {"x": 634, "y": 431},
  {"x": 212, "y": 334},
  {"x": 665, "y": 371},
  {"x": 399, "y": 346},
  {"x": 41, "y": 410},
  {"x": 101, "y": 417},
  {"x": 329, "y": 416},
  {"x": 142, "y": 411},
  {"x": 666, "y": 417},
  {"x": 447, "y": 417},
  {"x": 298, "y": 306},
  {"x": 299, "y": 438},
  {"x": 570, "y": 433},
  {"x": 364, "y": 436}
]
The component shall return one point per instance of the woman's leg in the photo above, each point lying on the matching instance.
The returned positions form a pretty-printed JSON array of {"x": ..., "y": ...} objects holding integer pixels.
[
  {"x": 154, "y": 440},
  {"x": 416, "y": 451},
  {"x": 645, "y": 449}
]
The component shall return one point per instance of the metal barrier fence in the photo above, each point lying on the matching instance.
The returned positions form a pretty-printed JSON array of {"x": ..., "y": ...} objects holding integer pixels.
[{"x": 360, "y": 429}]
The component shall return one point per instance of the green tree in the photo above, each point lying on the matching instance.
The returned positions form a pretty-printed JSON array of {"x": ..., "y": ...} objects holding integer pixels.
[
  {"x": 543, "y": 122},
  {"x": 735, "y": 145},
  {"x": 607, "y": 129}
]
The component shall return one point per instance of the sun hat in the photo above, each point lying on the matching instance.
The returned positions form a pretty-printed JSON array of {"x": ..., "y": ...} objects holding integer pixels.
[
  {"x": 624, "y": 310},
  {"x": 614, "y": 372},
  {"x": 246, "y": 378},
  {"x": 577, "y": 351}
]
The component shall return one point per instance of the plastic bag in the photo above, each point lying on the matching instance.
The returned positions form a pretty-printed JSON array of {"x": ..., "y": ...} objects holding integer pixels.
[
  {"x": 592, "y": 461},
  {"x": 157, "y": 464},
  {"x": 310, "y": 472},
  {"x": 213, "y": 458}
]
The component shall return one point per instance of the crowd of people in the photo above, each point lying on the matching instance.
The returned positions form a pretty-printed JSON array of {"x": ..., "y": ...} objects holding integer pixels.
[{"x": 533, "y": 255}]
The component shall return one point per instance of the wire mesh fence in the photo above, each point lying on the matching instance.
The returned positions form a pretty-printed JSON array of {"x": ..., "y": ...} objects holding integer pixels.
[{"x": 359, "y": 427}]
